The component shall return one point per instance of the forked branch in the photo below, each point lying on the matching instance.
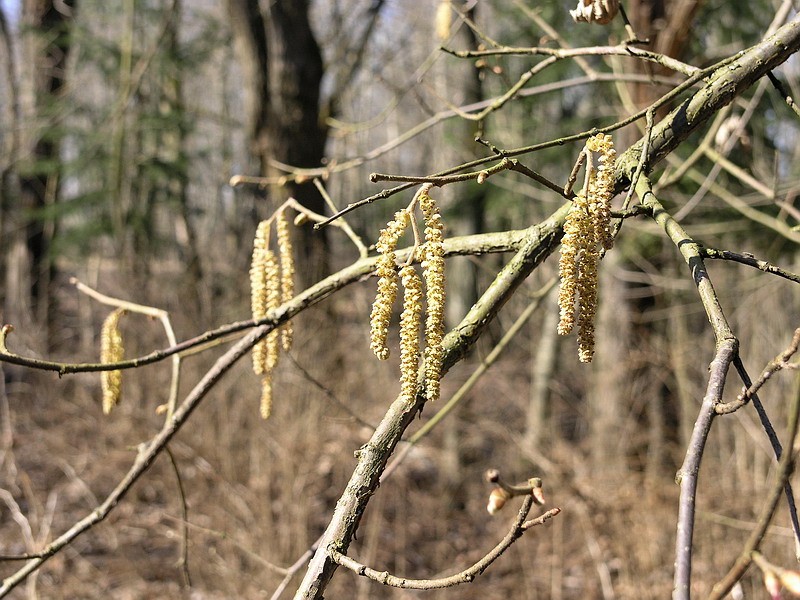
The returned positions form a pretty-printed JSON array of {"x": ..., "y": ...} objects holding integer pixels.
[{"x": 519, "y": 527}]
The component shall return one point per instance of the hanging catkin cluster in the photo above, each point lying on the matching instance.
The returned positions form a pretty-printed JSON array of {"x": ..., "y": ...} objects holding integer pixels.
[
  {"x": 587, "y": 232},
  {"x": 111, "y": 351},
  {"x": 269, "y": 286},
  {"x": 431, "y": 254}
]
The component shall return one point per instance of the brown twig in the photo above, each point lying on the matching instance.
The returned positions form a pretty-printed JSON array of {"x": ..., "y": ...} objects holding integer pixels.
[
  {"x": 783, "y": 92},
  {"x": 561, "y": 53},
  {"x": 750, "y": 261},
  {"x": 519, "y": 527}
]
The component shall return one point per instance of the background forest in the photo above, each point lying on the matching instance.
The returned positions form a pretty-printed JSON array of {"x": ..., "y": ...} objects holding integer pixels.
[{"x": 142, "y": 141}]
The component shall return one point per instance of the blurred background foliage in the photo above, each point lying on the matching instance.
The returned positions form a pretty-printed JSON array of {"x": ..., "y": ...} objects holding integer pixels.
[{"x": 122, "y": 124}]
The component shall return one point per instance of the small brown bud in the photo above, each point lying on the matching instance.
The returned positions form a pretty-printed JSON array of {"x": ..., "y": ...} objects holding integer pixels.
[
  {"x": 497, "y": 500},
  {"x": 538, "y": 495},
  {"x": 595, "y": 11}
]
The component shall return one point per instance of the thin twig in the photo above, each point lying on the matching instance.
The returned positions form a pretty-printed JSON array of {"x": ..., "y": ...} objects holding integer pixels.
[
  {"x": 467, "y": 575},
  {"x": 751, "y": 261},
  {"x": 561, "y": 53},
  {"x": 775, "y": 442},
  {"x": 184, "y": 560},
  {"x": 779, "y": 362},
  {"x": 785, "y": 467},
  {"x": 783, "y": 92},
  {"x": 147, "y": 453}
]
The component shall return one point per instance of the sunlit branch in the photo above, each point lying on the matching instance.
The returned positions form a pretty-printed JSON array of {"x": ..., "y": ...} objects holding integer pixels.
[{"x": 560, "y": 53}]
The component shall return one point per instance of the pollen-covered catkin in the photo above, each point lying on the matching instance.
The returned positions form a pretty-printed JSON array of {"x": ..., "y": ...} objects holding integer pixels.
[
  {"x": 273, "y": 300},
  {"x": 111, "y": 350},
  {"x": 573, "y": 244},
  {"x": 587, "y": 292},
  {"x": 433, "y": 272},
  {"x": 258, "y": 289},
  {"x": 287, "y": 274},
  {"x": 587, "y": 230},
  {"x": 409, "y": 332},
  {"x": 602, "y": 188},
  {"x": 387, "y": 284},
  {"x": 266, "y": 395}
]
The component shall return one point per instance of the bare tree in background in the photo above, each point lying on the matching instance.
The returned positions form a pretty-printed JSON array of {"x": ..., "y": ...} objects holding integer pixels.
[
  {"x": 42, "y": 70},
  {"x": 283, "y": 70}
]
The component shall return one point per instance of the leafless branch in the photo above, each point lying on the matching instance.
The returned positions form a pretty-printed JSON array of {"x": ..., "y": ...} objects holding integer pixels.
[{"x": 519, "y": 527}]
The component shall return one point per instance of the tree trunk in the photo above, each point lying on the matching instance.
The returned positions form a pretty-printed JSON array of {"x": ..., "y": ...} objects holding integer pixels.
[
  {"x": 282, "y": 65},
  {"x": 45, "y": 50}
]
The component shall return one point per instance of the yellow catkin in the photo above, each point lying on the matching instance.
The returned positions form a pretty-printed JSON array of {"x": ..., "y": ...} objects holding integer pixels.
[
  {"x": 433, "y": 272},
  {"x": 273, "y": 300},
  {"x": 602, "y": 188},
  {"x": 266, "y": 395},
  {"x": 287, "y": 274},
  {"x": 258, "y": 289},
  {"x": 572, "y": 243},
  {"x": 409, "y": 332},
  {"x": 587, "y": 291},
  {"x": 587, "y": 232},
  {"x": 387, "y": 284},
  {"x": 111, "y": 350}
]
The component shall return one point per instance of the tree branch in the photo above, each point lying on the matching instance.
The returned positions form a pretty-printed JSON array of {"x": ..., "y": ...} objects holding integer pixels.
[
  {"x": 504, "y": 241},
  {"x": 726, "y": 351},
  {"x": 519, "y": 527}
]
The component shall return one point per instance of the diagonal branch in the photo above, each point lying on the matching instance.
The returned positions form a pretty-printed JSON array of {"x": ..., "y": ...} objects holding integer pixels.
[
  {"x": 727, "y": 347},
  {"x": 373, "y": 456}
]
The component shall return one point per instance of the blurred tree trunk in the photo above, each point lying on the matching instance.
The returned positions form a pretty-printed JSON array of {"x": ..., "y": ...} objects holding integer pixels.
[
  {"x": 606, "y": 390},
  {"x": 282, "y": 65},
  {"x": 668, "y": 26},
  {"x": 173, "y": 149},
  {"x": 46, "y": 35},
  {"x": 544, "y": 350},
  {"x": 9, "y": 189}
]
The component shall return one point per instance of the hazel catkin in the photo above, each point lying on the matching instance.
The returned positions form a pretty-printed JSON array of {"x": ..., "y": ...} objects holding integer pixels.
[
  {"x": 111, "y": 351},
  {"x": 387, "y": 284},
  {"x": 409, "y": 331},
  {"x": 287, "y": 274},
  {"x": 433, "y": 272}
]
